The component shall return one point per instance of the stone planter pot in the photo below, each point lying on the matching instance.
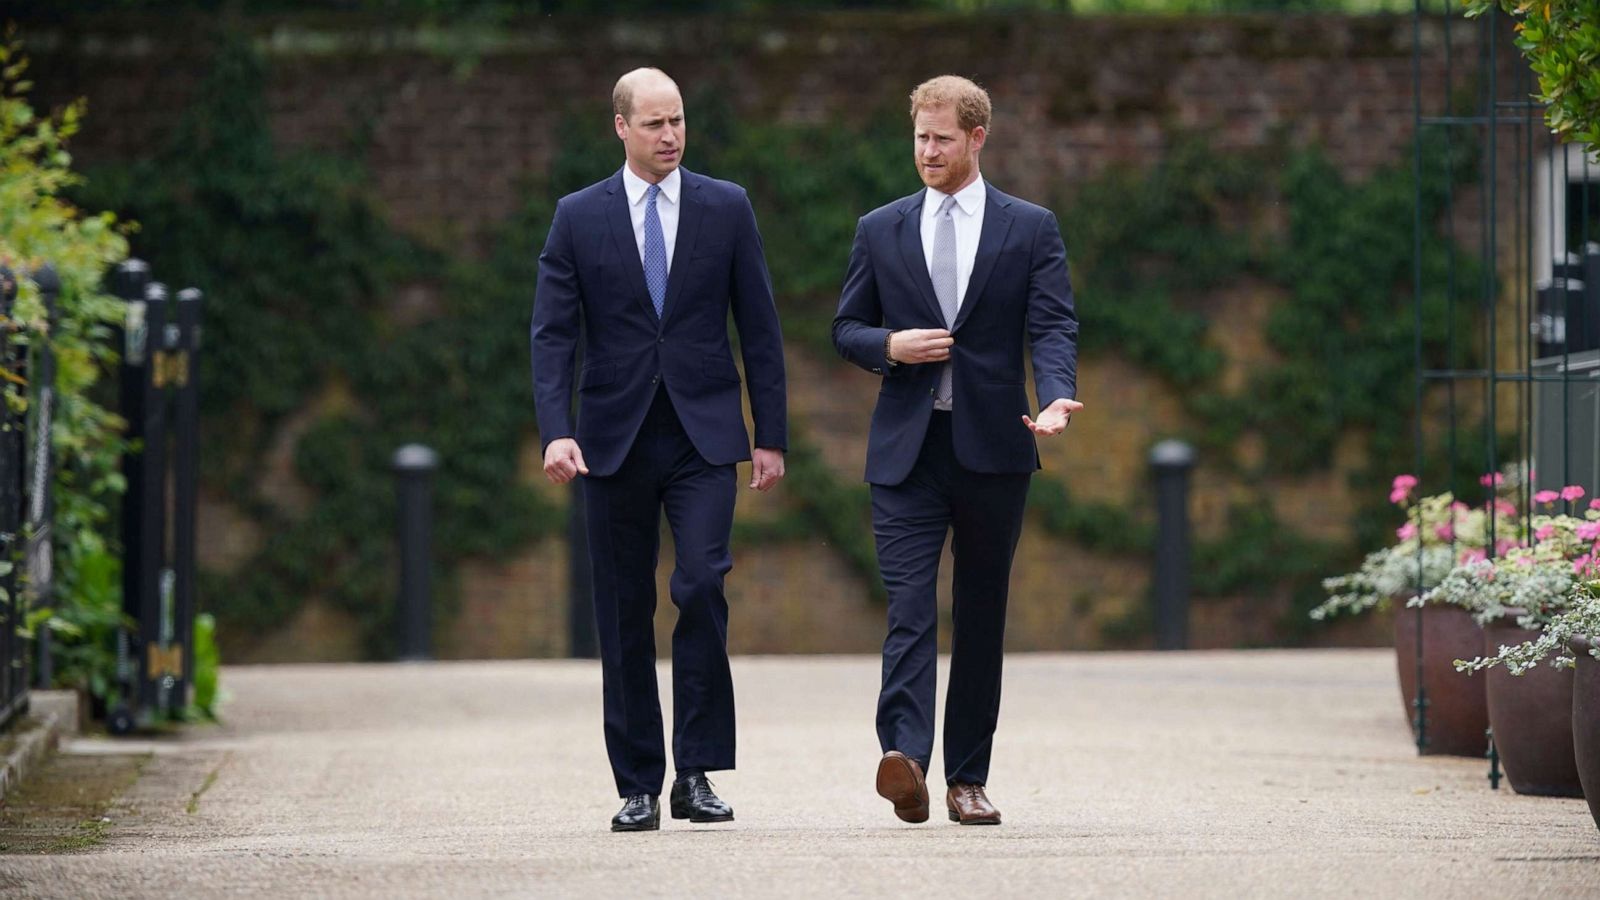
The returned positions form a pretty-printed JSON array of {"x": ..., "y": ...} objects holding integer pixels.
[
  {"x": 1458, "y": 711},
  {"x": 1532, "y": 719},
  {"x": 1586, "y": 724}
]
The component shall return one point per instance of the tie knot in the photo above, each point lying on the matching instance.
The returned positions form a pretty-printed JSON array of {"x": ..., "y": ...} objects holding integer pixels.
[
  {"x": 651, "y": 192},
  {"x": 946, "y": 205}
]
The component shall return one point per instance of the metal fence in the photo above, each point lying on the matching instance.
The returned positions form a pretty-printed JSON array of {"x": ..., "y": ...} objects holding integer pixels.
[
  {"x": 26, "y": 497},
  {"x": 1508, "y": 321},
  {"x": 159, "y": 398}
]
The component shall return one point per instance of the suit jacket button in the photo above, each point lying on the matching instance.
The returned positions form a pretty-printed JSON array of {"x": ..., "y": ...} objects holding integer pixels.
[
  {"x": 930, "y": 392},
  {"x": 877, "y": 371},
  {"x": 654, "y": 378}
]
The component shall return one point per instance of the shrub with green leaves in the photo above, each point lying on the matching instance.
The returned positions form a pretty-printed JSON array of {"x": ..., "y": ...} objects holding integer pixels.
[
  {"x": 1561, "y": 39},
  {"x": 38, "y": 227}
]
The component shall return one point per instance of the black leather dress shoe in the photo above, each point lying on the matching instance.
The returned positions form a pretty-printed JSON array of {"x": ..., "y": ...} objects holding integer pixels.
[
  {"x": 693, "y": 799},
  {"x": 641, "y": 812}
]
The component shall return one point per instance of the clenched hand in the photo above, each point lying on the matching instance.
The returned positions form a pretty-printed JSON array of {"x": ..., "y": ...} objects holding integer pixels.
[
  {"x": 920, "y": 345},
  {"x": 563, "y": 461}
]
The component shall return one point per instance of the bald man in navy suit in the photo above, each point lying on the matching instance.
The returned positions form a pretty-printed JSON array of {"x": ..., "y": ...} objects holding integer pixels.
[
  {"x": 651, "y": 262},
  {"x": 942, "y": 291}
]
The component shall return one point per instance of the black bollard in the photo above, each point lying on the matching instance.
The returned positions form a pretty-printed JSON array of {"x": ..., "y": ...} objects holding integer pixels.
[
  {"x": 1170, "y": 463},
  {"x": 129, "y": 282},
  {"x": 144, "y": 549},
  {"x": 38, "y": 549},
  {"x": 414, "y": 465},
  {"x": 185, "y": 482}
]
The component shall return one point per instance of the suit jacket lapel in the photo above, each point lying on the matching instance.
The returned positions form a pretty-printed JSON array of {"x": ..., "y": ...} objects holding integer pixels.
[
  {"x": 689, "y": 216},
  {"x": 627, "y": 246},
  {"x": 996, "y": 222},
  {"x": 912, "y": 255}
]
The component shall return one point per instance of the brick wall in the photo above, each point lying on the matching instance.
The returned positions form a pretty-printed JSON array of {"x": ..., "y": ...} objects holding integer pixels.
[{"x": 456, "y": 119}]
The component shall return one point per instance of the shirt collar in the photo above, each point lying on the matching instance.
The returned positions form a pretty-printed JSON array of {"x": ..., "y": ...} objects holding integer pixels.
[
  {"x": 969, "y": 198},
  {"x": 636, "y": 186}
]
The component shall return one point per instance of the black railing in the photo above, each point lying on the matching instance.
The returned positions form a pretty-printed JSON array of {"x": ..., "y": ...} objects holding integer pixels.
[
  {"x": 1514, "y": 384},
  {"x": 13, "y": 651},
  {"x": 27, "y": 501}
]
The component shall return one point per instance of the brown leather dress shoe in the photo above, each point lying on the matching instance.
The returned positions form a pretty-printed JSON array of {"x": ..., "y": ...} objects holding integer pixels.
[
  {"x": 969, "y": 805},
  {"x": 900, "y": 782}
]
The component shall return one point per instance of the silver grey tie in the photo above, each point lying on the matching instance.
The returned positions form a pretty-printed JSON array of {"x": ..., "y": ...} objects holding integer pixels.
[{"x": 944, "y": 286}]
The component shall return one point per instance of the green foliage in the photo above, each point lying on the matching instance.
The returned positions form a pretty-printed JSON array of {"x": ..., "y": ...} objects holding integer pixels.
[
  {"x": 207, "y": 667},
  {"x": 500, "y": 10},
  {"x": 1257, "y": 556},
  {"x": 320, "y": 338},
  {"x": 1145, "y": 245},
  {"x": 840, "y": 509},
  {"x": 84, "y": 623},
  {"x": 300, "y": 271},
  {"x": 1096, "y": 526},
  {"x": 38, "y": 227},
  {"x": 1561, "y": 39},
  {"x": 1347, "y": 339}
]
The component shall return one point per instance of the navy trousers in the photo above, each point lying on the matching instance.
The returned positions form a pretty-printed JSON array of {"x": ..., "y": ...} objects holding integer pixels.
[
  {"x": 911, "y": 521},
  {"x": 662, "y": 471}
]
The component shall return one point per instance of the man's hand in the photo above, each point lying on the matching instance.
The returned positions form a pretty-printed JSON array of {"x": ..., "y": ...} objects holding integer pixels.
[
  {"x": 766, "y": 468},
  {"x": 1055, "y": 417},
  {"x": 920, "y": 345},
  {"x": 563, "y": 461}
]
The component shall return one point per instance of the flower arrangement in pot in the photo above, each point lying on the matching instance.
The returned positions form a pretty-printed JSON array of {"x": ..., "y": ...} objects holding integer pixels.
[
  {"x": 1517, "y": 598},
  {"x": 1570, "y": 637},
  {"x": 1440, "y": 533}
]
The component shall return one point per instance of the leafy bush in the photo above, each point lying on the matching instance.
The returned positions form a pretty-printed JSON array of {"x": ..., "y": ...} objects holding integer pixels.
[
  {"x": 1561, "y": 39},
  {"x": 37, "y": 227}
]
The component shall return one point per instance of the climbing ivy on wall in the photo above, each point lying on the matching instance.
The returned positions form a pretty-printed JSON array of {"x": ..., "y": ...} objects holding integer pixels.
[
  {"x": 324, "y": 319},
  {"x": 302, "y": 274}
]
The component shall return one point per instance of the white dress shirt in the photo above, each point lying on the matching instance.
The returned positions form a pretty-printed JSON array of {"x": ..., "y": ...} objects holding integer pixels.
[
  {"x": 666, "y": 208},
  {"x": 968, "y": 217}
]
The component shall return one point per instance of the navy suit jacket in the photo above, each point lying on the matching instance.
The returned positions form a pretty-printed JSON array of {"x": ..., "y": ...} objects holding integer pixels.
[
  {"x": 590, "y": 270},
  {"x": 1019, "y": 288}
]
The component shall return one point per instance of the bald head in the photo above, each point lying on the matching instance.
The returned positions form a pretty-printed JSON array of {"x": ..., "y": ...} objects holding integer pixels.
[
  {"x": 637, "y": 83},
  {"x": 649, "y": 122}
]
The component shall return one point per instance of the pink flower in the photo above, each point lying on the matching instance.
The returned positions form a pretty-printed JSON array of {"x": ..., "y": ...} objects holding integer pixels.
[
  {"x": 1407, "y": 531},
  {"x": 1458, "y": 506},
  {"x": 1572, "y": 492},
  {"x": 1504, "y": 546},
  {"x": 1401, "y": 488},
  {"x": 1473, "y": 555},
  {"x": 1595, "y": 503},
  {"x": 1581, "y": 563},
  {"x": 1507, "y": 508},
  {"x": 1588, "y": 531},
  {"x": 1545, "y": 532},
  {"x": 1524, "y": 561},
  {"x": 1494, "y": 479},
  {"x": 1546, "y": 497},
  {"x": 1446, "y": 532}
]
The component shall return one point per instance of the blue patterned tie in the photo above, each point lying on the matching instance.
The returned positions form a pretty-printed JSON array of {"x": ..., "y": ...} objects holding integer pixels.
[{"x": 655, "y": 251}]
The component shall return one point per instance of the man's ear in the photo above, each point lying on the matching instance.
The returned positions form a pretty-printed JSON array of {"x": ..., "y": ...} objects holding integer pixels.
[
  {"x": 979, "y": 135},
  {"x": 621, "y": 125}
]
